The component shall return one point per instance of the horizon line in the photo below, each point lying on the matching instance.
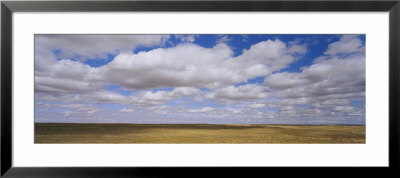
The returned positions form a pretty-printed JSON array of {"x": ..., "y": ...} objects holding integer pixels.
[{"x": 185, "y": 123}]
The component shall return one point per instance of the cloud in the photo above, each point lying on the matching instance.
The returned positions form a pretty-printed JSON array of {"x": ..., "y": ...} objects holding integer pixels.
[
  {"x": 326, "y": 88},
  {"x": 274, "y": 55},
  {"x": 201, "y": 110},
  {"x": 331, "y": 76},
  {"x": 296, "y": 47},
  {"x": 104, "y": 96},
  {"x": 190, "y": 65},
  {"x": 126, "y": 110},
  {"x": 108, "y": 97},
  {"x": 245, "y": 38},
  {"x": 224, "y": 39},
  {"x": 186, "y": 65},
  {"x": 165, "y": 82},
  {"x": 233, "y": 94},
  {"x": 286, "y": 80},
  {"x": 66, "y": 76},
  {"x": 347, "y": 44},
  {"x": 95, "y": 46},
  {"x": 160, "y": 97},
  {"x": 71, "y": 108},
  {"x": 256, "y": 105},
  {"x": 326, "y": 76},
  {"x": 186, "y": 38}
]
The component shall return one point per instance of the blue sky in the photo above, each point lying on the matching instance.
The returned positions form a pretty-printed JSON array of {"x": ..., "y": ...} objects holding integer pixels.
[{"x": 216, "y": 79}]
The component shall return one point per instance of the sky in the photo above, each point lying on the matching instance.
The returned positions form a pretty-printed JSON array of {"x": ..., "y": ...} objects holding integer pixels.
[{"x": 200, "y": 78}]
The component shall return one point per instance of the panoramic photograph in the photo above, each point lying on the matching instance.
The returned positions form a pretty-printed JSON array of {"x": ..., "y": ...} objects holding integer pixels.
[{"x": 199, "y": 88}]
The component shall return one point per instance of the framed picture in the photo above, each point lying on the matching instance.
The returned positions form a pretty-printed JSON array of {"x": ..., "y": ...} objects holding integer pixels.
[{"x": 112, "y": 89}]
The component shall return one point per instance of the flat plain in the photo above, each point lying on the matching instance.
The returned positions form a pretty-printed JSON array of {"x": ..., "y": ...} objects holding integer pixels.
[{"x": 197, "y": 133}]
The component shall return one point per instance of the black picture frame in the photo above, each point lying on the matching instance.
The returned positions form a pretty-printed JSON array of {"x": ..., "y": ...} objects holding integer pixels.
[{"x": 8, "y": 7}]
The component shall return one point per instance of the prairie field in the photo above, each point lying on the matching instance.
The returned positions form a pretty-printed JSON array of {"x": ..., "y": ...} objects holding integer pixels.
[{"x": 197, "y": 133}]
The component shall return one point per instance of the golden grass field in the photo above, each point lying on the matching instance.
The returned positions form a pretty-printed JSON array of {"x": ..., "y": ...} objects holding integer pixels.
[{"x": 197, "y": 133}]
